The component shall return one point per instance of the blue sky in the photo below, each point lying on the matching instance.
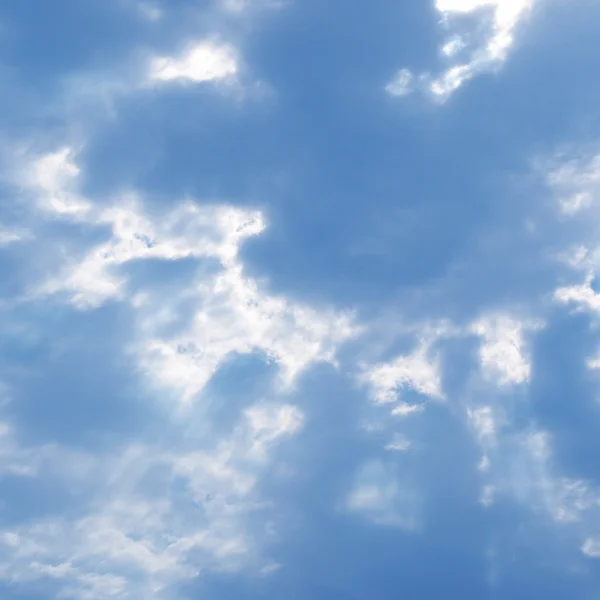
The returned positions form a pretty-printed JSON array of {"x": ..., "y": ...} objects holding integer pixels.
[{"x": 299, "y": 299}]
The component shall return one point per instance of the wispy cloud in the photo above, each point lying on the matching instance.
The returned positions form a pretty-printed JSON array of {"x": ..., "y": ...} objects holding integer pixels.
[
  {"x": 133, "y": 544},
  {"x": 469, "y": 52},
  {"x": 379, "y": 496}
]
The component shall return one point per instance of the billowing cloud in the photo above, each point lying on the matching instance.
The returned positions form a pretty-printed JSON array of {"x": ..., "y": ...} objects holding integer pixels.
[{"x": 503, "y": 351}]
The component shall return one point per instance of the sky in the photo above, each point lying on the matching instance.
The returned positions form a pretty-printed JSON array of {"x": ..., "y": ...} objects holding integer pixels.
[{"x": 299, "y": 299}]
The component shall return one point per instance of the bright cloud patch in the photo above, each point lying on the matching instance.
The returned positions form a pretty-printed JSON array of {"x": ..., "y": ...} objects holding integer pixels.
[
  {"x": 481, "y": 35},
  {"x": 503, "y": 350},
  {"x": 204, "y": 62},
  {"x": 53, "y": 178},
  {"x": 418, "y": 370},
  {"x": 415, "y": 371}
]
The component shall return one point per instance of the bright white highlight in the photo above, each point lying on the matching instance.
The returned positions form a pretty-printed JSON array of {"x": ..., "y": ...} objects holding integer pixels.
[
  {"x": 417, "y": 371},
  {"x": 503, "y": 352},
  {"x": 202, "y": 63}
]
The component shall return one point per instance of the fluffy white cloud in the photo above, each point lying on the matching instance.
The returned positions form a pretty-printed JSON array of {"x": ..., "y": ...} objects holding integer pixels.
[
  {"x": 206, "y": 61},
  {"x": 234, "y": 317},
  {"x": 53, "y": 179},
  {"x": 582, "y": 295},
  {"x": 503, "y": 352},
  {"x": 418, "y": 371},
  {"x": 470, "y": 52}
]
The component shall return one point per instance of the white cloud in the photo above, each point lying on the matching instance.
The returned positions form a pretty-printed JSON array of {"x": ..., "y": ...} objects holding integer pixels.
[
  {"x": 582, "y": 295},
  {"x": 576, "y": 183},
  {"x": 503, "y": 352},
  {"x": 204, "y": 62},
  {"x": 499, "y": 17},
  {"x": 53, "y": 179},
  {"x": 230, "y": 312},
  {"x": 403, "y": 409},
  {"x": 399, "y": 443},
  {"x": 453, "y": 46},
  {"x": 417, "y": 371},
  {"x": 234, "y": 317}
]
